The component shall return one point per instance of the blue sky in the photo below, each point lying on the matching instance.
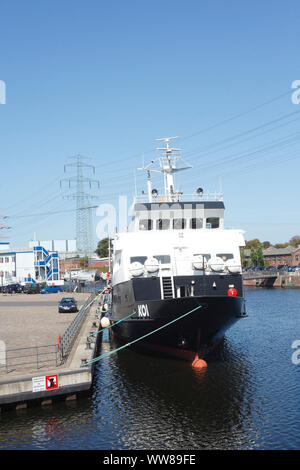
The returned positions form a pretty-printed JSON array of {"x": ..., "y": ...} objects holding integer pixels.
[{"x": 105, "y": 79}]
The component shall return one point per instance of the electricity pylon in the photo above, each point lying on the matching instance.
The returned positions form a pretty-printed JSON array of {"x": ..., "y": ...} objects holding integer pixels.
[{"x": 84, "y": 228}]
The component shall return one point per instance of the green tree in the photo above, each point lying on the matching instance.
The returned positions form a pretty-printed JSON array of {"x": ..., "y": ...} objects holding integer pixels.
[
  {"x": 266, "y": 244},
  {"x": 102, "y": 248},
  {"x": 256, "y": 256},
  {"x": 281, "y": 245},
  {"x": 255, "y": 243}
]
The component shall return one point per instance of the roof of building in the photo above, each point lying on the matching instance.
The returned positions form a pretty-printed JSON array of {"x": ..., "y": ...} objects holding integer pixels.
[{"x": 272, "y": 251}]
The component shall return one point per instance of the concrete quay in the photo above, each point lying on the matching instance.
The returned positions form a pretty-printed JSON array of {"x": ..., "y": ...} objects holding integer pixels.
[{"x": 33, "y": 322}]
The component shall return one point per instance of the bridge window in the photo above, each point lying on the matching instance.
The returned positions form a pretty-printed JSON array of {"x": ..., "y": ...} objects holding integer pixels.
[
  {"x": 163, "y": 259},
  {"x": 225, "y": 256},
  {"x": 196, "y": 223},
  {"x": 140, "y": 259},
  {"x": 179, "y": 223},
  {"x": 162, "y": 224},
  {"x": 146, "y": 224},
  {"x": 212, "y": 222}
]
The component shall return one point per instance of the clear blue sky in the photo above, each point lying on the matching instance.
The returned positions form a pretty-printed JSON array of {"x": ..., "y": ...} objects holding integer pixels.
[{"x": 105, "y": 79}]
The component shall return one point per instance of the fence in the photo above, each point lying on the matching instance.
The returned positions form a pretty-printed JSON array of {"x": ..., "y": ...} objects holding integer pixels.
[
  {"x": 67, "y": 340},
  {"x": 30, "y": 357}
]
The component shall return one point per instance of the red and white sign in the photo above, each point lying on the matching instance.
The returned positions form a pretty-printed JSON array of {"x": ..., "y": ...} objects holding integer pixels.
[
  {"x": 42, "y": 383},
  {"x": 51, "y": 382}
]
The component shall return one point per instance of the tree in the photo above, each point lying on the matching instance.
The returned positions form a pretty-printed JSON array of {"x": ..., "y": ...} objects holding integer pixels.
[
  {"x": 266, "y": 244},
  {"x": 102, "y": 248},
  {"x": 295, "y": 241},
  {"x": 256, "y": 256},
  {"x": 255, "y": 243},
  {"x": 281, "y": 245}
]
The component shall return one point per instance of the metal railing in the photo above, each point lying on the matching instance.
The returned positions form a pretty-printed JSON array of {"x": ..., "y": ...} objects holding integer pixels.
[
  {"x": 29, "y": 358},
  {"x": 67, "y": 340}
]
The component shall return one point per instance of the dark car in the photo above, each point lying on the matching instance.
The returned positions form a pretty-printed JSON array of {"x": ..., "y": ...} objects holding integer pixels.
[
  {"x": 67, "y": 304},
  {"x": 12, "y": 288},
  {"x": 31, "y": 289}
]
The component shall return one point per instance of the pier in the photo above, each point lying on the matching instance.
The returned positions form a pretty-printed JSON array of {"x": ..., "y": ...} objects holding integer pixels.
[{"x": 42, "y": 351}]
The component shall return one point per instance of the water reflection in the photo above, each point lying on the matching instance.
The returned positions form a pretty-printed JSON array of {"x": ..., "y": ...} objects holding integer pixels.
[{"x": 164, "y": 403}]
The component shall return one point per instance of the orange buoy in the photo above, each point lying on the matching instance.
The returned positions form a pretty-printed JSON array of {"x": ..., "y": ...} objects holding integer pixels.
[
  {"x": 58, "y": 341},
  {"x": 199, "y": 363}
]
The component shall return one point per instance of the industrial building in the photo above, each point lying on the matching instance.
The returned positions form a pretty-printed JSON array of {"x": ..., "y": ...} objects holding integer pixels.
[{"x": 34, "y": 265}]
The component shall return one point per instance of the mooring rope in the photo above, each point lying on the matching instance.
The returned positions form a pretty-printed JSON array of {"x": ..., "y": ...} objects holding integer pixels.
[
  {"x": 140, "y": 338},
  {"x": 110, "y": 326}
]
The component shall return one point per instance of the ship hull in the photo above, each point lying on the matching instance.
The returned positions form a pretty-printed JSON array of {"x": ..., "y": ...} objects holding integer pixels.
[{"x": 180, "y": 327}]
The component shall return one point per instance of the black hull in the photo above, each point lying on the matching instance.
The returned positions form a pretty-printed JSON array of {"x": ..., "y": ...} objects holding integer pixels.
[{"x": 195, "y": 333}]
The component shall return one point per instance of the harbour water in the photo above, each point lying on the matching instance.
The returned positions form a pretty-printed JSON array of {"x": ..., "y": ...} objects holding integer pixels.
[{"x": 248, "y": 398}]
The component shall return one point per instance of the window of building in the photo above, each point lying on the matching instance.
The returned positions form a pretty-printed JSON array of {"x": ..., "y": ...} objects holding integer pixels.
[
  {"x": 212, "y": 222},
  {"x": 297, "y": 258},
  {"x": 1, "y": 260},
  {"x": 146, "y": 224},
  {"x": 162, "y": 224},
  {"x": 6, "y": 259},
  {"x": 179, "y": 224},
  {"x": 13, "y": 259},
  {"x": 196, "y": 223}
]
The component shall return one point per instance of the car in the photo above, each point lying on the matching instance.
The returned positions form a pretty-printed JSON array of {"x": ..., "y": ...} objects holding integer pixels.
[
  {"x": 12, "y": 288},
  {"x": 31, "y": 289},
  {"x": 51, "y": 289},
  {"x": 67, "y": 304}
]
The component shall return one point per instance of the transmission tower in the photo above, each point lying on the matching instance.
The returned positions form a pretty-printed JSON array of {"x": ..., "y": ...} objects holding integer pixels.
[{"x": 83, "y": 198}]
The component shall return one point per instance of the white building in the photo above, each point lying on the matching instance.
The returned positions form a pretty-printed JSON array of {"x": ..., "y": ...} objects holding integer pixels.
[{"x": 35, "y": 265}]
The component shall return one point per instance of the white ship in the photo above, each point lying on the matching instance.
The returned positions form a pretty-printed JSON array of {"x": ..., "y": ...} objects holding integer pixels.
[{"x": 177, "y": 270}]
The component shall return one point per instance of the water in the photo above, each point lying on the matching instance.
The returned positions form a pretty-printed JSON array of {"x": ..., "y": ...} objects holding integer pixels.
[{"x": 248, "y": 398}]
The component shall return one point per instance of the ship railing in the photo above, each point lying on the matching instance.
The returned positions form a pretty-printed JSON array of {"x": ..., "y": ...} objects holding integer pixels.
[{"x": 182, "y": 198}]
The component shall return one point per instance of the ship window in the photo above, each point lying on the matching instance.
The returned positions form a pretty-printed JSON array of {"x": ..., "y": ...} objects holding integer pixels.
[
  {"x": 212, "y": 222},
  {"x": 196, "y": 223},
  {"x": 140, "y": 259},
  {"x": 146, "y": 224},
  {"x": 225, "y": 256},
  {"x": 179, "y": 223},
  {"x": 162, "y": 224},
  {"x": 163, "y": 259}
]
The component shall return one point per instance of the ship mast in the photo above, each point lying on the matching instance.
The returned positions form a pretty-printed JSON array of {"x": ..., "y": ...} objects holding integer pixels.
[{"x": 168, "y": 167}]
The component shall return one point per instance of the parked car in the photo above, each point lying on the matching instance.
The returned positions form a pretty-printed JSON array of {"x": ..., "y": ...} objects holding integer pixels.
[
  {"x": 12, "y": 288},
  {"x": 51, "y": 289},
  {"x": 67, "y": 304},
  {"x": 31, "y": 289},
  {"x": 282, "y": 267}
]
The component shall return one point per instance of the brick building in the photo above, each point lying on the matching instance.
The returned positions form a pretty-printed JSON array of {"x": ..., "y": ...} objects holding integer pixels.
[{"x": 275, "y": 256}]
